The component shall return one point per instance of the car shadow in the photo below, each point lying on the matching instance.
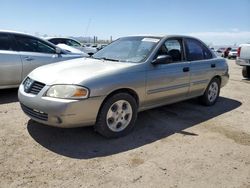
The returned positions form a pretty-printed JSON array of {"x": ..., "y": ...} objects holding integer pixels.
[
  {"x": 8, "y": 96},
  {"x": 246, "y": 80},
  {"x": 151, "y": 126}
]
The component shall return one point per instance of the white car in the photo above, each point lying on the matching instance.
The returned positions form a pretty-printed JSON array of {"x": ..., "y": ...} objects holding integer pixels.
[
  {"x": 71, "y": 43},
  {"x": 232, "y": 53},
  {"x": 243, "y": 59},
  {"x": 72, "y": 50},
  {"x": 21, "y": 53},
  {"x": 219, "y": 52}
]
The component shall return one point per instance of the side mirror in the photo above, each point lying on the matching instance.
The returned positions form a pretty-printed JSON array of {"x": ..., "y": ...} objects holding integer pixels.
[
  {"x": 91, "y": 53},
  {"x": 163, "y": 59},
  {"x": 58, "y": 51}
]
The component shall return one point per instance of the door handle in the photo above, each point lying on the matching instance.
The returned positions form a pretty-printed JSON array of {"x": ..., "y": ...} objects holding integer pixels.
[
  {"x": 213, "y": 65},
  {"x": 28, "y": 58},
  {"x": 185, "y": 69}
]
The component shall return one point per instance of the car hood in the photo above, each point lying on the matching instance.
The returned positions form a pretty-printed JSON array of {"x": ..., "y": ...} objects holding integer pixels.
[{"x": 77, "y": 71}]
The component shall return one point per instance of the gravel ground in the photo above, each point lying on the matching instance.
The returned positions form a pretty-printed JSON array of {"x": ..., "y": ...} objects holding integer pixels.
[{"x": 179, "y": 145}]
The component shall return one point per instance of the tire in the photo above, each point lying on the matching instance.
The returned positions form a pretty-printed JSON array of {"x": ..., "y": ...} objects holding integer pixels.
[
  {"x": 117, "y": 116},
  {"x": 246, "y": 72},
  {"x": 212, "y": 93}
]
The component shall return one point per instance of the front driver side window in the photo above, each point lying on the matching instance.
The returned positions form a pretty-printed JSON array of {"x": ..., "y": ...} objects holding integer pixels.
[
  {"x": 173, "y": 48},
  {"x": 72, "y": 43}
]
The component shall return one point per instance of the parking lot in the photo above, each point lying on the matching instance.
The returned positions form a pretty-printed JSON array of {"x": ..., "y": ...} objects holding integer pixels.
[{"x": 179, "y": 145}]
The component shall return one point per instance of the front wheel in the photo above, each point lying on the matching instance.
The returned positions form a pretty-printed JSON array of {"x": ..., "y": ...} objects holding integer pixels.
[
  {"x": 117, "y": 116},
  {"x": 212, "y": 93},
  {"x": 246, "y": 72}
]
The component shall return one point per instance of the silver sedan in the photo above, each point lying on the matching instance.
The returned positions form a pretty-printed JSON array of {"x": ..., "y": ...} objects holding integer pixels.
[
  {"x": 131, "y": 74},
  {"x": 21, "y": 53}
]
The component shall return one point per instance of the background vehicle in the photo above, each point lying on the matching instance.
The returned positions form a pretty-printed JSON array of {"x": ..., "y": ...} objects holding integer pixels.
[
  {"x": 101, "y": 46},
  {"x": 226, "y": 52},
  {"x": 243, "y": 59},
  {"x": 131, "y": 74},
  {"x": 219, "y": 52},
  {"x": 71, "y": 43},
  {"x": 21, "y": 53},
  {"x": 72, "y": 50},
  {"x": 232, "y": 53}
]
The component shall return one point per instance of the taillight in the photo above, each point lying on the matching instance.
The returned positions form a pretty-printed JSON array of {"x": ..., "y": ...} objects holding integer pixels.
[{"x": 238, "y": 52}]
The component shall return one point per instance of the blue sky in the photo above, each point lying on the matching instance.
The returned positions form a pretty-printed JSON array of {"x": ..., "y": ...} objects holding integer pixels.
[{"x": 214, "y": 21}]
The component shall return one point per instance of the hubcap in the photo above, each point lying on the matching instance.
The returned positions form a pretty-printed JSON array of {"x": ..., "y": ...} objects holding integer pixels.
[
  {"x": 119, "y": 115},
  {"x": 213, "y": 91}
]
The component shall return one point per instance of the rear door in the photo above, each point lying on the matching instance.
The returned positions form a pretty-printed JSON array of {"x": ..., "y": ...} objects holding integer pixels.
[
  {"x": 10, "y": 62},
  {"x": 35, "y": 52},
  {"x": 202, "y": 66}
]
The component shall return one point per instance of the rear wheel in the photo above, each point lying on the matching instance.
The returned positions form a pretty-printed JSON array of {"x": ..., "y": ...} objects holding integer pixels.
[
  {"x": 246, "y": 72},
  {"x": 117, "y": 116},
  {"x": 212, "y": 93}
]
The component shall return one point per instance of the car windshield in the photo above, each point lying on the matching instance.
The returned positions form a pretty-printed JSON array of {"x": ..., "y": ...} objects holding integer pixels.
[{"x": 128, "y": 49}]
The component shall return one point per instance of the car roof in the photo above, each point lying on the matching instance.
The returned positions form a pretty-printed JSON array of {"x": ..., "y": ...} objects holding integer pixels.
[
  {"x": 161, "y": 36},
  {"x": 49, "y": 38},
  {"x": 14, "y": 32}
]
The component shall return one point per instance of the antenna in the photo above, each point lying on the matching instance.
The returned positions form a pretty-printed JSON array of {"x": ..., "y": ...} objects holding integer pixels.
[{"x": 87, "y": 28}]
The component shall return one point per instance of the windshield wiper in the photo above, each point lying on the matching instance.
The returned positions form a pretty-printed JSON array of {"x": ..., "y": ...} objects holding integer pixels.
[{"x": 108, "y": 59}]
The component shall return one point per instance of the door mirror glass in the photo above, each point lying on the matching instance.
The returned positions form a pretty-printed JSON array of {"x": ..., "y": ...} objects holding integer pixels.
[
  {"x": 58, "y": 51},
  {"x": 163, "y": 59}
]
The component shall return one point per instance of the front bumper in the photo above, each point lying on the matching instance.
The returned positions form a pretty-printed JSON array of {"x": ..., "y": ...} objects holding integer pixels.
[
  {"x": 59, "y": 112},
  {"x": 232, "y": 55}
]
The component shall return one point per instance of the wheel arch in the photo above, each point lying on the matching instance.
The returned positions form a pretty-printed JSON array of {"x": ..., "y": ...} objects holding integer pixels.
[
  {"x": 129, "y": 91},
  {"x": 218, "y": 77}
]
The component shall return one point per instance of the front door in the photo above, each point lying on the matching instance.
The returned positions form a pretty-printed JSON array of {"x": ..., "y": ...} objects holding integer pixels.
[{"x": 167, "y": 83}]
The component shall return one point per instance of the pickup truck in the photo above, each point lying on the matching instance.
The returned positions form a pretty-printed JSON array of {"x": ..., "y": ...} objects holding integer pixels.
[{"x": 243, "y": 59}]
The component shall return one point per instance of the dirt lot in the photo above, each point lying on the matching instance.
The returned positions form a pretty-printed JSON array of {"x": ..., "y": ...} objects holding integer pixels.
[{"x": 180, "y": 145}]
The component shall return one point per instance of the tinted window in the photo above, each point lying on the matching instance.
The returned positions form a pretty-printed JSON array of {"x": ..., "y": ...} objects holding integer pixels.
[
  {"x": 73, "y": 43},
  {"x": 55, "y": 41},
  {"x": 196, "y": 50},
  {"x": 5, "y": 42},
  {"x": 29, "y": 44},
  {"x": 172, "y": 47}
]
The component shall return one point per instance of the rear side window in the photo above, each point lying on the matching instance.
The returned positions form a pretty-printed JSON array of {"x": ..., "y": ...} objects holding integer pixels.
[
  {"x": 29, "y": 44},
  {"x": 195, "y": 50},
  {"x": 5, "y": 42}
]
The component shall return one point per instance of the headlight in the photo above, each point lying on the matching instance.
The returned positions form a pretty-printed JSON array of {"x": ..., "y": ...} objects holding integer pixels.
[{"x": 67, "y": 92}]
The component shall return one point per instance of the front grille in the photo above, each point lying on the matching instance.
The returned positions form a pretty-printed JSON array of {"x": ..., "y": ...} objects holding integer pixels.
[
  {"x": 36, "y": 87},
  {"x": 32, "y": 86},
  {"x": 34, "y": 113}
]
